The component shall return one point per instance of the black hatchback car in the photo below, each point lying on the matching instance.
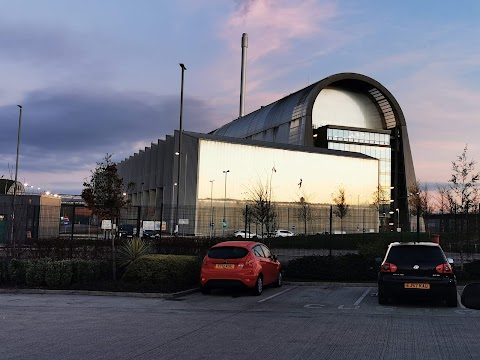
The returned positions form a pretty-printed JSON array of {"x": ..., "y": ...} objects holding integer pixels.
[{"x": 417, "y": 269}]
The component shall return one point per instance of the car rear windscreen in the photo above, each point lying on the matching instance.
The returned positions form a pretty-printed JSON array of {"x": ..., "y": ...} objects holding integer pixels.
[
  {"x": 416, "y": 255},
  {"x": 227, "y": 252}
]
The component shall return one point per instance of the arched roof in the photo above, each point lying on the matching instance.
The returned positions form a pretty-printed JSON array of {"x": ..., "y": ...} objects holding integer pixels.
[{"x": 300, "y": 104}]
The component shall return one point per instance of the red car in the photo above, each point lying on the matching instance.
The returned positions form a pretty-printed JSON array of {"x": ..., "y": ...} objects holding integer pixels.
[{"x": 247, "y": 264}]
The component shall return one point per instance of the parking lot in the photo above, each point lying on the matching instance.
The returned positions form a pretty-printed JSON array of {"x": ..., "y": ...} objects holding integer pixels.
[{"x": 293, "y": 322}]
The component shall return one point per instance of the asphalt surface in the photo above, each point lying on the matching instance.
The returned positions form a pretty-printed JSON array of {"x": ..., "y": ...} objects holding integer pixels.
[{"x": 293, "y": 322}]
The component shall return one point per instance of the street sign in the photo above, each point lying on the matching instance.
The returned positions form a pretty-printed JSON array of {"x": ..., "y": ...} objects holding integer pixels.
[
  {"x": 293, "y": 227},
  {"x": 224, "y": 224},
  {"x": 212, "y": 224},
  {"x": 106, "y": 224},
  {"x": 183, "y": 221}
]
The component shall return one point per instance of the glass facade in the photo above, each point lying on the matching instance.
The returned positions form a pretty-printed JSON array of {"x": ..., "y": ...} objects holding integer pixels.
[
  {"x": 376, "y": 145},
  {"x": 289, "y": 174}
]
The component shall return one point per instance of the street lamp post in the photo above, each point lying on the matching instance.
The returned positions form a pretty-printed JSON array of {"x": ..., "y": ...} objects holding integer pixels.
[
  {"x": 180, "y": 143},
  {"x": 224, "y": 222},
  {"x": 211, "y": 207},
  {"x": 12, "y": 239},
  {"x": 174, "y": 226}
]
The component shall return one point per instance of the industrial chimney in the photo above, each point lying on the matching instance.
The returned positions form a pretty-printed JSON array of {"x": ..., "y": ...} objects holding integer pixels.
[{"x": 244, "y": 73}]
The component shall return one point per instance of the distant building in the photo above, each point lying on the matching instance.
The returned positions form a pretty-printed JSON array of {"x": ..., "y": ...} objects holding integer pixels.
[
  {"x": 346, "y": 130},
  {"x": 36, "y": 216}
]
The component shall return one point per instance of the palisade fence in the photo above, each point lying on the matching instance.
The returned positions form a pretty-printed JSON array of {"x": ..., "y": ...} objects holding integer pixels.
[{"x": 319, "y": 232}]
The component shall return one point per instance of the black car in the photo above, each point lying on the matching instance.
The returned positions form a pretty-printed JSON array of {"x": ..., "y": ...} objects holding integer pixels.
[{"x": 417, "y": 269}]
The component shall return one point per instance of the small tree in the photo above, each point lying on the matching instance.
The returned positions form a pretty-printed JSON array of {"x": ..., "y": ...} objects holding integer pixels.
[
  {"x": 103, "y": 195},
  {"x": 463, "y": 191},
  {"x": 261, "y": 208},
  {"x": 380, "y": 199},
  {"x": 341, "y": 208},
  {"x": 304, "y": 213}
]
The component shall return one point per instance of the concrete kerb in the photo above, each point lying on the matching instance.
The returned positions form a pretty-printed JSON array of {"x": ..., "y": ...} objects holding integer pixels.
[{"x": 99, "y": 293}]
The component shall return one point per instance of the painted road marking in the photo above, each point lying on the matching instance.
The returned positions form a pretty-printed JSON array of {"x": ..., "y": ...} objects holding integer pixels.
[
  {"x": 274, "y": 295},
  {"x": 362, "y": 297},
  {"x": 343, "y": 307},
  {"x": 314, "y": 306}
]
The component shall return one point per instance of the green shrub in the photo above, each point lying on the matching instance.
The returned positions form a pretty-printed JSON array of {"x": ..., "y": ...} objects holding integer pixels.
[
  {"x": 84, "y": 271},
  {"x": 35, "y": 272},
  {"x": 165, "y": 273},
  {"x": 349, "y": 267},
  {"x": 58, "y": 274},
  {"x": 3, "y": 271},
  {"x": 16, "y": 272}
]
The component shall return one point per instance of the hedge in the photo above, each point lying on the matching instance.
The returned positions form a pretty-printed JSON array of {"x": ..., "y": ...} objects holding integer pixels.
[{"x": 164, "y": 273}]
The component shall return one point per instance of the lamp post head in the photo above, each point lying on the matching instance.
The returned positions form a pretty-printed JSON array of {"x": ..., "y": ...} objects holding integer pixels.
[
  {"x": 183, "y": 66},
  {"x": 20, "y": 106}
]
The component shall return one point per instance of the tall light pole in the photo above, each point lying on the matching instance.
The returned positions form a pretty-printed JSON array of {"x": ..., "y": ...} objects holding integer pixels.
[
  {"x": 16, "y": 176},
  {"x": 211, "y": 207},
  {"x": 174, "y": 226},
  {"x": 180, "y": 144},
  {"x": 224, "y": 223}
]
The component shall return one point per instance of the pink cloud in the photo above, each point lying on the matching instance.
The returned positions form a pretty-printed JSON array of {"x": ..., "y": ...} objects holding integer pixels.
[{"x": 274, "y": 24}]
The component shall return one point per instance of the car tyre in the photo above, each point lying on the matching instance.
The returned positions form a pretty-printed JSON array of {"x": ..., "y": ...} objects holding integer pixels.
[
  {"x": 258, "y": 289},
  {"x": 279, "y": 281},
  {"x": 452, "y": 300},
  {"x": 382, "y": 298}
]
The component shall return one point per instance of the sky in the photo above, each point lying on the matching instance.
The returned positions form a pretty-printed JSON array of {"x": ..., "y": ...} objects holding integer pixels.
[{"x": 97, "y": 77}]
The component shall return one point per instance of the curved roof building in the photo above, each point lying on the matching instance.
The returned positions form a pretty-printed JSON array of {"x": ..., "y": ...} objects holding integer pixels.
[
  {"x": 346, "y": 111},
  {"x": 346, "y": 130}
]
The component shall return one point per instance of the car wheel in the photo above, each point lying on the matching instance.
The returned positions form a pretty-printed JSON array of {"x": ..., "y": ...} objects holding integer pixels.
[
  {"x": 204, "y": 290},
  {"x": 279, "y": 281},
  {"x": 258, "y": 289},
  {"x": 239, "y": 236},
  {"x": 451, "y": 299},
  {"x": 382, "y": 298}
]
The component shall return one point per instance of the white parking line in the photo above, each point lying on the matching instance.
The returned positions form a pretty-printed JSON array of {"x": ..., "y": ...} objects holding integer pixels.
[
  {"x": 362, "y": 297},
  {"x": 460, "y": 301},
  {"x": 280, "y": 293}
]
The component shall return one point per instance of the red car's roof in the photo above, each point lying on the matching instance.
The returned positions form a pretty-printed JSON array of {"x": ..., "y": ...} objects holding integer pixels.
[{"x": 246, "y": 244}]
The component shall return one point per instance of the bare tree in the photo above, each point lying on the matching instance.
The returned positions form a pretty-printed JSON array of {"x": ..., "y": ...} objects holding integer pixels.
[
  {"x": 261, "y": 207},
  {"x": 420, "y": 202},
  {"x": 304, "y": 211},
  {"x": 463, "y": 191},
  {"x": 341, "y": 209}
]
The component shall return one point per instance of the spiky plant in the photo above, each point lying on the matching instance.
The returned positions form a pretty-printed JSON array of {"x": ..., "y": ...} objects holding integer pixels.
[{"x": 131, "y": 250}]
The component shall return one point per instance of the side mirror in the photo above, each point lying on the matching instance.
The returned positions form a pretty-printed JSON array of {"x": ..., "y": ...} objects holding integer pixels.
[
  {"x": 450, "y": 261},
  {"x": 471, "y": 296},
  {"x": 378, "y": 260},
  {"x": 274, "y": 257}
]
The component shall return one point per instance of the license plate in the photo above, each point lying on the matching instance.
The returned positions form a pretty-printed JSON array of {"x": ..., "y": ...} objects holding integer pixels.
[
  {"x": 224, "y": 266},
  {"x": 417, "y": 286}
]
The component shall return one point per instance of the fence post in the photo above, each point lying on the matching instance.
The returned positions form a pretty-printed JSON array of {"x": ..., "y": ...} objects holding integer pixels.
[{"x": 73, "y": 221}]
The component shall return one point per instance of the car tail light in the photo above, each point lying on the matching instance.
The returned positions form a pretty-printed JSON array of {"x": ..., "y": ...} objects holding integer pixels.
[
  {"x": 444, "y": 268},
  {"x": 388, "y": 267},
  {"x": 248, "y": 262}
]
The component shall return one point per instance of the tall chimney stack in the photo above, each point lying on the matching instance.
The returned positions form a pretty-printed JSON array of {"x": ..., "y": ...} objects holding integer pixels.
[{"x": 244, "y": 73}]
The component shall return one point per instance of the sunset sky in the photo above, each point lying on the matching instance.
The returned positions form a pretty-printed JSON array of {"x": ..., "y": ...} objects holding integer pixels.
[{"x": 97, "y": 77}]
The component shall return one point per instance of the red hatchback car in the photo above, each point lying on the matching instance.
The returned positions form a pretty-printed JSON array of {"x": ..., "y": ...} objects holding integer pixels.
[{"x": 247, "y": 264}]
